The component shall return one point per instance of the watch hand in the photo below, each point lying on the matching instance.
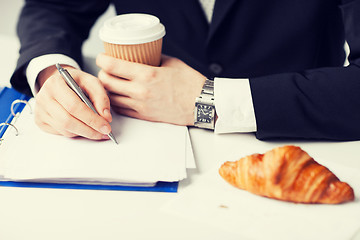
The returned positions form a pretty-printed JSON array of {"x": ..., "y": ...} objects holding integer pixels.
[{"x": 202, "y": 111}]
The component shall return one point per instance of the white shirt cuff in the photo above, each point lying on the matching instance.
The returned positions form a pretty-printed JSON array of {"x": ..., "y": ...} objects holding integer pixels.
[
  {"x": 38, "y": 64},
  {"x": 234, "y": 106}
]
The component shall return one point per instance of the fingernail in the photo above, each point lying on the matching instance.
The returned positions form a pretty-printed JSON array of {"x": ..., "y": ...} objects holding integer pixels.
[
  {"x": 107, "y": 114},
  {"x": 105, "y": 129},
  {"x": 105, "y": 137}
]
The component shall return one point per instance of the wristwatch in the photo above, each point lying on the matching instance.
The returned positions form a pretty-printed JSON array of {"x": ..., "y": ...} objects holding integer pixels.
[{"x": 204, "y": 113}]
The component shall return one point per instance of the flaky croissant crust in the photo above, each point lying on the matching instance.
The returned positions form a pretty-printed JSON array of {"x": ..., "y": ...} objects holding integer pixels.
[{"x": 287, "y": 173}]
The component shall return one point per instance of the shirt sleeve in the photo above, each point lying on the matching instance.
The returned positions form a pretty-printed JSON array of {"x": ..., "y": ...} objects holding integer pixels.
[
  {"x": 38, "y": 64},
  {"x": 234, "y": 106}
]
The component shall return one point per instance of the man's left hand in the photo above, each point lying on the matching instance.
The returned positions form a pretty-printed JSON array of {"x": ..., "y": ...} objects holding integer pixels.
[{"x": 161, "y": 94}]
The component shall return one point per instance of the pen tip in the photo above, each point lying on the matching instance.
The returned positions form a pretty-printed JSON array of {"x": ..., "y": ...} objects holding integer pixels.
[{"x": 111, "y": 136}]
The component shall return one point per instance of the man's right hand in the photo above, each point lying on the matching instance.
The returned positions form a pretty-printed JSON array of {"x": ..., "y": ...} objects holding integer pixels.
[{"x": 60, "y": 111}]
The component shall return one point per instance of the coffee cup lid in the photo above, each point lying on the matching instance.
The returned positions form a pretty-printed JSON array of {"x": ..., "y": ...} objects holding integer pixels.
[{"x": 132, "y": 28}]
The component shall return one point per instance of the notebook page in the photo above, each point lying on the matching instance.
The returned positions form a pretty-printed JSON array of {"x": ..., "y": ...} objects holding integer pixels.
[
  {"x": 9, "y": 131},
  {"x": 147, "y": 152},
  {"x": 190, "y": 159}
]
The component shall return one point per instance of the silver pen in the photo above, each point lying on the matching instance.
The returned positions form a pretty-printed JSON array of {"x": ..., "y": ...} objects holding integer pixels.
[{"x": 75, "y": 87}]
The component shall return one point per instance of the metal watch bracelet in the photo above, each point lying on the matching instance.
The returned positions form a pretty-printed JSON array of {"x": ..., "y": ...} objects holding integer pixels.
[{"x": 204, "y": 113}]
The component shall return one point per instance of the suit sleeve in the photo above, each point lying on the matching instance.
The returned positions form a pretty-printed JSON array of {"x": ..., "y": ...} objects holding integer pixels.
[
  {"x": 54, "y": 26},
  {"x": 313, "y": 104}
]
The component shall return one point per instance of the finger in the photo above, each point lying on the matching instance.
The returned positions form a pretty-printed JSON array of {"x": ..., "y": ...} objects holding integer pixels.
[
  {"x": 42, "y": 120},
  {"x": 128, "y": 112},
  {"x": 121, "y": 68},
  {"x": 134, "y": 114},
  {"x": 46, "y": 122},
  {"x": 93, "y": 87},
  {"x": 115, "y": 84},
  {"x": 49, "y": 129},
  {"x": 70, "y": 126},
  {"x": 123, "y": 87},
  {"x": 74, "y": 115},
  {"x": 123, "y": 102},
  {"x": 73, "y": 105},
  {"x": 51, "y": 113}
]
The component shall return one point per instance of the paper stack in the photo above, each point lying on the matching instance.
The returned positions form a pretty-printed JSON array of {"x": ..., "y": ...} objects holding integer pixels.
[{"x": 147, "y": 152}]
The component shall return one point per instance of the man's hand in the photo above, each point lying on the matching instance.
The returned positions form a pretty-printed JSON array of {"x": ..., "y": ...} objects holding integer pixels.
[
  {"x": 60, "y": 111},
  {"x": 162, "y": 94}
]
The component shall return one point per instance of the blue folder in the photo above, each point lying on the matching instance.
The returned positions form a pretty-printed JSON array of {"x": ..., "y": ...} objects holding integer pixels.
[
  {"x": 159, "y": 186},
  {"x": 7, "y": 96}
]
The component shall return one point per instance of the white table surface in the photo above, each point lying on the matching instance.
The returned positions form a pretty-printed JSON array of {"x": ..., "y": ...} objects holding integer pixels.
[{"x": 27, "y": 213}]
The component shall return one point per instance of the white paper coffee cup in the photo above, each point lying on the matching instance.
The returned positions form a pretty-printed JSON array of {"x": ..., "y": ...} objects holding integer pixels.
[{"x": 134, "y": 37}]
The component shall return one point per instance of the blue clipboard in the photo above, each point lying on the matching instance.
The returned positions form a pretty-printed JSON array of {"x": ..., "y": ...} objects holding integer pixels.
[
  {"x": 7, "y": 96},
  {"x": 159, "y": 186}
]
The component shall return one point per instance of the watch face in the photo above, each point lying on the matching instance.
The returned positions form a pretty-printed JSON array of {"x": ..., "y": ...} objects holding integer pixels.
[{"x": 204, "y": 113}]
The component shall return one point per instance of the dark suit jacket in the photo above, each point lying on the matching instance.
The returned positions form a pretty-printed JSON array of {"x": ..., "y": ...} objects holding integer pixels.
[{"x": 292, "y": 51}]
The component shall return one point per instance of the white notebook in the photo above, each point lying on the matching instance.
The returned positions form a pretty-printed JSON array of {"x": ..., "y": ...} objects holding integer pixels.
[{"x": 147, "y": 152}]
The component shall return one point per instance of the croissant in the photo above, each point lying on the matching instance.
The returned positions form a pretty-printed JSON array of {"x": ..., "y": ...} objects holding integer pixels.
[{"x": 287, "y": 173}]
